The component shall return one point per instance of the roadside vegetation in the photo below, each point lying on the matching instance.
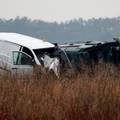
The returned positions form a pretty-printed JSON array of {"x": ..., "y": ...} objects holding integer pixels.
[{"x": 87, "y": 95}]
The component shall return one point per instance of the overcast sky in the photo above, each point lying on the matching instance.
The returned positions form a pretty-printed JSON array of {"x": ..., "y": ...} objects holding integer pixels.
[{"x": 59, "y": 10}]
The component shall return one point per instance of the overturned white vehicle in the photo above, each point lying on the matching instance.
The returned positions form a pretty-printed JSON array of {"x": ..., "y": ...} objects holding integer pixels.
[{"x": 19, "y": 53}]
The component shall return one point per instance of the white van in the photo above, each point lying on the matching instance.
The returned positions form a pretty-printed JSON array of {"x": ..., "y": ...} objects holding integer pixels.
[{"x": 20, "y": 52}]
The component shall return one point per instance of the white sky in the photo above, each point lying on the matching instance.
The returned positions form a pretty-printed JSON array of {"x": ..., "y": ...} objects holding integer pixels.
[{"x": 59, "y": 10}]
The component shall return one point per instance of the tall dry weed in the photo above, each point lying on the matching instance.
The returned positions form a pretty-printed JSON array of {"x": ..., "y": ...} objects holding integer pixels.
[{"x": 88, "y": 95}]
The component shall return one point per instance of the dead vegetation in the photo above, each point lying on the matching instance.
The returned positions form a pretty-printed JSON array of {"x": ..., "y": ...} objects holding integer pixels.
[{"x": 88, "y": 95}]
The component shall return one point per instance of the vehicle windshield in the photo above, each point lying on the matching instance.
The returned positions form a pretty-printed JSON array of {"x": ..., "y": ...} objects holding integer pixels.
[
  {"x": 40, "y": 53},
  {"x": 53, "y": 53}
]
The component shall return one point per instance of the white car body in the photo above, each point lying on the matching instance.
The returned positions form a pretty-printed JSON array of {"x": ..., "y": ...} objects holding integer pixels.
[{"x": 17, "y": 51}]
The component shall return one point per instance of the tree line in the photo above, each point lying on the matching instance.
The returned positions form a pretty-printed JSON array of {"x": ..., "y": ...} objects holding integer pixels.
[{"x": 101, "y": 29}]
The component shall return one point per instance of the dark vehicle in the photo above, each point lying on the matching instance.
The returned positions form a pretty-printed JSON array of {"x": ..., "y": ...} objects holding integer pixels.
[{"x": 92, "y": 52}]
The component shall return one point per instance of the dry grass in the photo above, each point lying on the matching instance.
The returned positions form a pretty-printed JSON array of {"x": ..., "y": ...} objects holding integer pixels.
[{"x": 89, "y": 95}]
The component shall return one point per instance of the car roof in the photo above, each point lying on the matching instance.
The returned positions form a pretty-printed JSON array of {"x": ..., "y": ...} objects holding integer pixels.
[
  {"x": 24, "y": 40},
  {"x": 75, "y": 46}
]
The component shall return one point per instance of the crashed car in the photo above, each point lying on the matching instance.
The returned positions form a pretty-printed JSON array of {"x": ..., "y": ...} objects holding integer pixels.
[
  {"x": 92, "y": 52},
  {"x": 20, "y": 53}
]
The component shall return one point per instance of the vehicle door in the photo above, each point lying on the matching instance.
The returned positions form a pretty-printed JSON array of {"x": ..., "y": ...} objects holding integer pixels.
[{"x": 22, "y": 63}]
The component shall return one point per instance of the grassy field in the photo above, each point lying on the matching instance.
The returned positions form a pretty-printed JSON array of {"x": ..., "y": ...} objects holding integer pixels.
[{"x": 88, "y": 95}]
